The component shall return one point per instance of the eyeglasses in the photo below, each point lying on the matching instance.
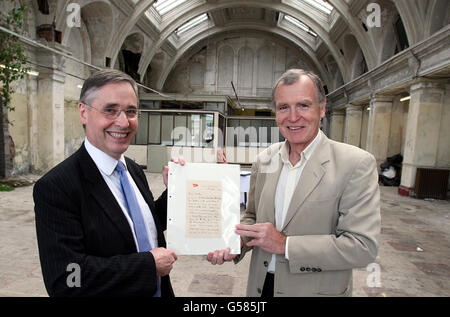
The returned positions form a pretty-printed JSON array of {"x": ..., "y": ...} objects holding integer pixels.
[{"x": 114, "y": 113}]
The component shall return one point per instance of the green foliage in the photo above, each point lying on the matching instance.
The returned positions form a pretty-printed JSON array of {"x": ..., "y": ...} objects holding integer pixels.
[
  {"x": 12, "y": 56},
  {"x": 5, "y": 188}
]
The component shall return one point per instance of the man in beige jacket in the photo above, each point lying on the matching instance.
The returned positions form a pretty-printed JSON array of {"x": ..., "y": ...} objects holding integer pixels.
[{"x": 314, "y": 204}]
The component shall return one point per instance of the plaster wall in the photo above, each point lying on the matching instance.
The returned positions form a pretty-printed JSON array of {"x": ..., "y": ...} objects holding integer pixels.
[
  {"x": 18, "y": 129},
  {"x": 364, "y": 126},
  {"x": 426, "y": 139},
  {"x": 443, "y": 150},
  {"x": 73, "y": 130},
  {"x": 252, "y": 63},
  {"x": 352, "y": 129},
  {"x": 396, "y": 130},
  {"x": 379, "y": 127},
  {"x": 337, "y": 125}
]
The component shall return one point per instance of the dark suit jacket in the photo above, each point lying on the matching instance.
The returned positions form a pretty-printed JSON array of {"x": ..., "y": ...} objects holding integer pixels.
[{"x": 79, "y": 221}]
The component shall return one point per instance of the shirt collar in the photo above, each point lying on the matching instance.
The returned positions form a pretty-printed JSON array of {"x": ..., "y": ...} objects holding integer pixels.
[
  {"x": 105, "y": 163},
  {"x": 306, "y": 153}
]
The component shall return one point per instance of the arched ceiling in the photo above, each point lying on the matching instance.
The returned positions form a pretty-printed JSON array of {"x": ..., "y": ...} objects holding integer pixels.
[
  {"x": 236, "y": 28},
  {"x": 257, "y": 12},
  {"x": 317, "y": 27},
  {"x": 271, "y": 16},
  {"x": 314, "y": 26}
]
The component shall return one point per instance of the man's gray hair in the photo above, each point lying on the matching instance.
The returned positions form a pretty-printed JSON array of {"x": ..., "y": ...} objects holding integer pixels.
[
  {"x": 102, "y": 78},
  {"x": 291, "y": 76}
]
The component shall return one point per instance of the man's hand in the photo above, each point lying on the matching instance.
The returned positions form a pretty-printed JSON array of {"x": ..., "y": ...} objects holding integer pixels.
[
  {"x": 265, "y": 236},
  {"x": 164, "y": 259},
  {"x": 220, "y": 256},
  {"x": 179, "y": 160}
]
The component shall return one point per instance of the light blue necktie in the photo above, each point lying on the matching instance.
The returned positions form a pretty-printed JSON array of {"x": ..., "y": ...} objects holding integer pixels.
[
  {"x": 134, "y": 210},
  {"x": 136, "y": 215}
]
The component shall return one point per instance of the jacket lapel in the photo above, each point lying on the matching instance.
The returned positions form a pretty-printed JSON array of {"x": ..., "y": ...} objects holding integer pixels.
[
  {"x": 269, "y": 192},
  {"x": 139, "y": 183},
  {"x": 100, "y": 191},
  {"x": 271, "y": 171},
  {"x": 310, "y": 178}
]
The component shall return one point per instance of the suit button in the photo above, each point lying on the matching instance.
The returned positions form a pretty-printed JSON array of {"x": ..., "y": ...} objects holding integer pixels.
[
  {"x": 308, "y": 269},
  {"x": 258, "y": 290},
  {"x": 302, "y": 269},
  {"x": 266, "y": 264},
  {"x": 314, "y": 269},
  {"x": 319, "y": 270}
]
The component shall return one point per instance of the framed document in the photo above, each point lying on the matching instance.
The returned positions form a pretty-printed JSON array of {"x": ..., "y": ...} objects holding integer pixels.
[{"x": 203, "y": 208}]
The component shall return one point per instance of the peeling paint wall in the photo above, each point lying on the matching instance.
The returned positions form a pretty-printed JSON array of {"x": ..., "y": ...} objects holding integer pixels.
[
  {"x": 19, "y": 128},
  {"x": 73, "y": 130}
]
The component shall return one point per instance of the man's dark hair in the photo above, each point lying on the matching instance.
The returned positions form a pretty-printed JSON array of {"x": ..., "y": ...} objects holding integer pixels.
[{"x": 102, "y": 78}]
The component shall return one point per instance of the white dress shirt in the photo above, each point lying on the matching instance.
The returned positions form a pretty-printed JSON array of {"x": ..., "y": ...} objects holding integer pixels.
[
  {"x": 287, "y": 182},
  {"x": 107, "y": 165}
]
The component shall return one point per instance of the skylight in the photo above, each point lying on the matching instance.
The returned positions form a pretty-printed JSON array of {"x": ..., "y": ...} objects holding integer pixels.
[
  {"x": 299, "y": 24},
  {"x": 164, "y": 6},
  {"x": 194, "y": 22},
  {"x": 322, "y": 5}
]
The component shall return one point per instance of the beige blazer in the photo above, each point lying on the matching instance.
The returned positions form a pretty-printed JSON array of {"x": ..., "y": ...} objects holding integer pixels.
[{"x": 333, "y": 220}]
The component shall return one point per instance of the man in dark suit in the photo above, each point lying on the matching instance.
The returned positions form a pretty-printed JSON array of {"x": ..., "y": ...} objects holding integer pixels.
[{"x": 89, "y": 237}]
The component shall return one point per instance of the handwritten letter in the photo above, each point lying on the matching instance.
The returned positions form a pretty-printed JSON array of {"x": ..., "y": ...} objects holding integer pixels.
[{"x": 203, "y": 209}]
